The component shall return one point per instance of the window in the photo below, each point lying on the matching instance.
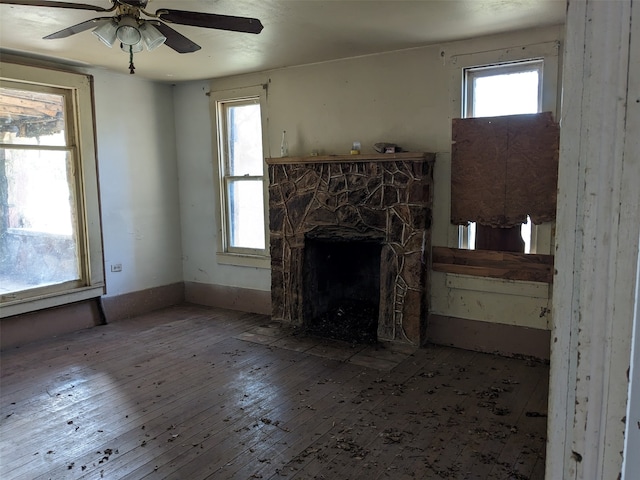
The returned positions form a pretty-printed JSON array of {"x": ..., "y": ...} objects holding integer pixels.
[
  {"x": 50, "y": 240},
  {"x": 505, "y": 89},
  {"x": 495, "y": 90},
  {"x": 242, "y": 178}
]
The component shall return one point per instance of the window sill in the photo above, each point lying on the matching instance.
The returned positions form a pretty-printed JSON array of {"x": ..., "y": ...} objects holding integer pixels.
[
  {"x": 26, "y": 305},
  {"x": 502, "y": 265},
  {"x": 243, "y": 260}
]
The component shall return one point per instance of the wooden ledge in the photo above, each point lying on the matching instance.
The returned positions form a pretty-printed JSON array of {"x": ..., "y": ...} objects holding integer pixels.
[
  {"x": 362, "y": 157},
  {"x": 486, "y": 263}
]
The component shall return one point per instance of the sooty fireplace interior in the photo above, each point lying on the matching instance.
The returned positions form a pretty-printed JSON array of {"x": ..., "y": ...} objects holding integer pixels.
[
  {"x": 350, "y": 238},
  {"x": 344, "y": 276}
]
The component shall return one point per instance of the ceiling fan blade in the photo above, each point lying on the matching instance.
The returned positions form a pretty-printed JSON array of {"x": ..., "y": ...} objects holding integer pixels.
[
  {"x": 175, "y": 40},
  {"x": 80, "y": 27},
  {"x": 211, "y": 20},
  {"x": 43, "y": 3}
]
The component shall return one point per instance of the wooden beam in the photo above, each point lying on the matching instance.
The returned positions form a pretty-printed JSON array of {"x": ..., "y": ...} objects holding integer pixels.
[
  {"x": 15, "y": 104},
  {"x": 363, "y": 157},
  {"x": 485, "y": 263},
  {"x": 595, "y": 296}
]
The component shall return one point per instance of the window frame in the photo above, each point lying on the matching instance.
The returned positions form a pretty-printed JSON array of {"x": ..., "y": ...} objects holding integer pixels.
[
  {"x": 227, "y": 254},
  {"x": 78, "y": 92},
  {"x": 504, "y": 68},
  {"x": 549, "y": 100}
]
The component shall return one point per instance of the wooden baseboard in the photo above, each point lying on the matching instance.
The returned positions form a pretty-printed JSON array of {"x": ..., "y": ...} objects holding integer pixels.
[
  {"x": 50, "y": 322},
  {"x": 508, "y": 340},
  {"x": 233, "y": 298},
  {"x": 128, "y": 305},
  {"x": 475, "y": 335}
]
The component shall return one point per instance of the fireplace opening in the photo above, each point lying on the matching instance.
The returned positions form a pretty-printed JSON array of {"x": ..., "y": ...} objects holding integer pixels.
[{"x": 341, "y": 289}]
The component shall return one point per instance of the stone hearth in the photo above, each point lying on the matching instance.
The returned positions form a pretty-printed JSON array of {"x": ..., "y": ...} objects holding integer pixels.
[{"x": 371, "y": 198}]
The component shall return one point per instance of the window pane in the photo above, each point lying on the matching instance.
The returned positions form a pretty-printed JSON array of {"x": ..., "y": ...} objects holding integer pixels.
[
  {"x": 244, "y": 140},
  {"x": 38, "y": 238},
  {"x": 31, "y": 118},
  {"x": 246, "y": 214},
  {"x": 509, "y": 94}
]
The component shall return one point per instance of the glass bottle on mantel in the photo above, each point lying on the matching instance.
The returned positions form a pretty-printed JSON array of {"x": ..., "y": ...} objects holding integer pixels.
[{"x": 284, "y": 145}]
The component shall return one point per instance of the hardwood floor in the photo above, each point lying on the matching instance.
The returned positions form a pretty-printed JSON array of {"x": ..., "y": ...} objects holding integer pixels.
[{"x": 193, "y": 393}]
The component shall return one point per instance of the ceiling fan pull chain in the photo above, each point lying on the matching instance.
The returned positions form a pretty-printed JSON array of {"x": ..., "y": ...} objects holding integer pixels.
[{"x": 132, "y": 68}]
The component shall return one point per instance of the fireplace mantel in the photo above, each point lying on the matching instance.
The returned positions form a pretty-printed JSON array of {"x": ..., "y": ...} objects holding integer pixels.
[
  {"x": 385, "y": 198},
  {"x": 362, "y": 157}
]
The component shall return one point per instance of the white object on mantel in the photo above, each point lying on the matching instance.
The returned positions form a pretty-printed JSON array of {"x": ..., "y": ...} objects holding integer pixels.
[{"x": 284, "y": 145}]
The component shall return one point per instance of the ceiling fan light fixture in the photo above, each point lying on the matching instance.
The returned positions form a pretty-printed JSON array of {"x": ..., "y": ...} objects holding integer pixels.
[
  {"x": 137, "y": 48},
  {"x": 127, "y": 31},
  {"x": 135, "y": 33},
  {"x": 151, "y": 36},
  {"x": 107, "y": 32}
]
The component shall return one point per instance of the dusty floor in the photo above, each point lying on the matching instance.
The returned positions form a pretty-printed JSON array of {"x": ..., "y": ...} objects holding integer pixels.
[{"x": 194, "y": 393}]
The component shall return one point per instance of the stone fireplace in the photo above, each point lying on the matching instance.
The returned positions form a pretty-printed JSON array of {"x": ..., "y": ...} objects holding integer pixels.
[{"x": 350, "y": 239}]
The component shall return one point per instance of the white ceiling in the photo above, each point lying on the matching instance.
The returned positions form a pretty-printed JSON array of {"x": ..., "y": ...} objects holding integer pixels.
[{"x": 295, "y": 32}]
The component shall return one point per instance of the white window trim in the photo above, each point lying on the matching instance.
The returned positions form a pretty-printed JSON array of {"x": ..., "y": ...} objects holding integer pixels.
[
  {"x": 223, "y": 256},
  {"x": 80, "y": 87},
  {"x": 541, "y": 235},
  {"x": 503, "y": 68}
]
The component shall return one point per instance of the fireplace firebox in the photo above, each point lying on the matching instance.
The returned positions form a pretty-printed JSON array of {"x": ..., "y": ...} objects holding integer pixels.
[
  {"x": 352, "y": 234},
  {"x": 341, "y": 287}
]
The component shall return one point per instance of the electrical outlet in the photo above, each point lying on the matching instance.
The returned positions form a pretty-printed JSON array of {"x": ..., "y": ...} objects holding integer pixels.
[{"x": 116, "y": 267}]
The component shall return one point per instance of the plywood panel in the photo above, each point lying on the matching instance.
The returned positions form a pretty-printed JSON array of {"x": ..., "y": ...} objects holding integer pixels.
[{"x": 503, "y": 169}]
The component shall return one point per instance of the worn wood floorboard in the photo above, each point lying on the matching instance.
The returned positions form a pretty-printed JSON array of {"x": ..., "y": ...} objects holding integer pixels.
[
  {"x": 155, "y": 375},
  {"x": 181, "y": 394},
  {"x": 360, "y": 401},
  {"x": 248, "y": 422}
]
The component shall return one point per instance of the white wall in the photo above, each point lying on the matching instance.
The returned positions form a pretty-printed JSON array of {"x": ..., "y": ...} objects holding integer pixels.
[
  {"x": 403, "y": 97},
  {"x": 138, "y": 177},
  {"x": 195, "y": 140},
  {"x": 138, "y": 182}
]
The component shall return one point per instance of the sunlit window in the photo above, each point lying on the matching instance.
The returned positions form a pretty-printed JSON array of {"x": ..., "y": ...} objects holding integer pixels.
[
  {"x": 504, "y": 90},
  {"x": 39, "y": 234},
  {"x": 496, "y": 90},
  {"x": 50, "y": 238},
  {"x": 242, "y": 175}
]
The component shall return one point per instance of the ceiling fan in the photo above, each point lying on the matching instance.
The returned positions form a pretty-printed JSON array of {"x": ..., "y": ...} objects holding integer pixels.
[{"x": 135, "y": 32}]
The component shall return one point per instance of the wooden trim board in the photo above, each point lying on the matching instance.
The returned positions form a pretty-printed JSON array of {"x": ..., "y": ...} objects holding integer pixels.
[
  {"x": 485, "y": 263},
  {"x": 47, "y": 323},
  {"x": 128, "y": 305},
  {"x": 232, "y": 298},
  {"x": 508, "y": 340},
  {"x": 362, "y": 157}
]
